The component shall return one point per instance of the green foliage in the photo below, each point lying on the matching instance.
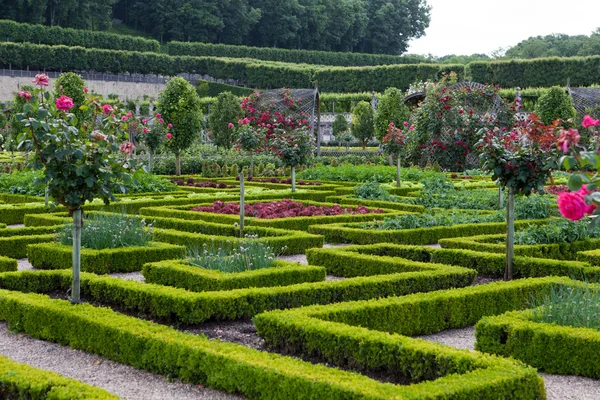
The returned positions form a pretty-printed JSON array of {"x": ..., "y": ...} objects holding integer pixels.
[
  {"x": 214, "y": 89},
  {"x": 372, "y": 191},
  {"x": 149, "y": 183},
  {"x": 556, "y": 45},
  {"x": 293, "y": 146},
  {"x": 24, "y": 381},
  {"x": 247, "y": 254},
  {"x": 71, "y": 85},
  {"x": 556, "y": 104},
  {"x": 561, "y": 231},
  {"x": 181, "y": 275},
  {"x": 109, "y": 231},
  {"x": 55, "y": 35},
  {"x": 362, "y": 122},
  {"x": 390, "y": 108},
  {"x": 340, "y": 124},
  {"x": 227, "y": 110},
  {"x": 428, "y": 220},
  {"x": 569, "y": 306},
  {"x": 22, "y": 182},
  {"x": 362, "y": 173}
]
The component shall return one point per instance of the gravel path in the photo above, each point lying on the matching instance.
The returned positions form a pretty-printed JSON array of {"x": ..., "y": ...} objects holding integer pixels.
[
  {"x": 129, "y": 276},
  {"x": 16, "y": 226},
  {"x": 558, "y": 387},
  {"x": 24, "y": 265},
  {"x": 122, "y": 380}
]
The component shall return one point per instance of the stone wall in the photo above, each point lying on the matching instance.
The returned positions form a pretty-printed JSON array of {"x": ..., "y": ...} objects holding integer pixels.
[{"x": 126, "y": 90}]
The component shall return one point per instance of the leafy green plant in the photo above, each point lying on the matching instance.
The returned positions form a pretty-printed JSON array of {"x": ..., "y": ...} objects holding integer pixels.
[
  {"x": 562, "y": 231},
  {"x": 340, "y": 124},
  {"x": 363, "y": 173},
  {"x": 556, "y": 104},
  {"x": 109, "y": 231},
  {"x": 362, "y": 123},
  {"x": 372, "y": 191},
  {"x": 146, "y": 183},
  {"x": 245, "y": 255},
  {"x": 390, "y": 108},
  {"x": 427, "y": 220},
  {"x": 577, "y": 306},
  {"x": 225, "y": 112}
]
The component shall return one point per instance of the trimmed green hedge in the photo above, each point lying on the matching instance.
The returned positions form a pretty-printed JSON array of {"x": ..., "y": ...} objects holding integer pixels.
[
  {"x": 21, "y": 381},
  {"x": 590, "y": 256},
  {"x": 286, "y": 55},
  {"x": 347, "y": 200},
  {"x": 544, "y": 72},
  {"x": 12, "y": 31},
  {"x": 371, "y": 336},
  {"x": 487, "y": 243},
  {"x": 181, "y": 306},
  {"x": 123, "y": 259},
  {"x": 292, "y": 223},
  {"x": 213, "y": 89},
  {"x": 552, "y": 348},
  {"x": 192, "y": 358},
  {"x": 388, "y": 258},
  {"x": 8, "y": 264},
  {"x": 196, "y": 279},
  {"x": 16, "y": 246},
  {"x": 353, "y": 233}
]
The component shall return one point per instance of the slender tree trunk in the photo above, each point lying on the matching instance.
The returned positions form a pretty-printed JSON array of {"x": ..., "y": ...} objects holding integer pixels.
[
  {"x": 294, "y": 179},
  {"x": 75, "y": 285},
  {"x": 242, "y": 210},
  {"x": 500, "y": 198},
  {"x": 510, "y": 235},
  {"x": 364, "y": 145},
  {"x": 398, "y": 171},
  {"x": 150, "y": 161},
  {"x": 46, "y": 195},
  {"x": 251, "y": 172},
  {"x": 551, "y": 179},
  {"x": 177, "y": 164}
]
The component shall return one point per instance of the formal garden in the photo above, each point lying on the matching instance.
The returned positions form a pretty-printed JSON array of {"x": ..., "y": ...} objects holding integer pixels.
[{"x": 440, "y": 240}]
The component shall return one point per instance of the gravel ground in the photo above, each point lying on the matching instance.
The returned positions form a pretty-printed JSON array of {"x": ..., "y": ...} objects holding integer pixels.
[
  {"x": 122, "y": 380},
  {"x": 297, "y": 258},
  {"x": 24, "y": 265},
  {"x": 130, "y": 276},
  {"x": 558, "y": 387},
  {"x": 16, "y": 226}
]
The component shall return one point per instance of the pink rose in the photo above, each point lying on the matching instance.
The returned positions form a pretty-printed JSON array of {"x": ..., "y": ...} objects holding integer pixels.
[
  {"x": 145, "y": 130},
  {"x": 169, "y": 136},
  {"x": 572, "y": 205},
  {"x": 85, "y": 90},
  {"x": 124, "y": 118},
  {"x": 405, "y": 123},
  {"x": 25, "y": 95},
  {"x": 157, "y": 115},
  {"x": 589, "y": 121},
  {"x": 411, "y": 128},
  {"x": 41, "y": 80},
  {"x": 64, "y": 103},
  {"x": 129, "y": 114},
  {"x": 230, "y": 125},
  {"x": 169, "y": 125},
  {"x": 161, "y": 120},
  {"x": 127, "y": 147},
  {"x": 144, "y": 121},
  {"x": 568, "y": 139},
  {"x": 107, "y": 108}
]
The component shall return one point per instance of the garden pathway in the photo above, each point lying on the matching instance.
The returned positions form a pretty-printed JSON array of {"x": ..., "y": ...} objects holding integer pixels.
[{"x": 558, "y": 387}]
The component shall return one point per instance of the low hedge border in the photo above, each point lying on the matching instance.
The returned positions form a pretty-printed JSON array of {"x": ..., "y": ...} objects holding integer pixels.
[
  {"x": 16, "y": 246},
  {"x": 353, "y": 233},
  {"x": 292, "y": 223},
  {"x": 557, "y": 251},
  {"x": 196, "y": 279},
  {"x": 552, "y": 348},
  {"x": 192, "y": 358},
  {"x": 106, "y": 261},
  {"x": 360, "y": 259},
  {"x": 370, "y": 335},
  {"x": 195, "y": 233},
  {"x": 182, "y": 306},
  {"x": 8, "y": 264},
  {"x": 348, "y": 200},
  {"x": 21, "y": 381},
  {"x": 590, "y": 256}
]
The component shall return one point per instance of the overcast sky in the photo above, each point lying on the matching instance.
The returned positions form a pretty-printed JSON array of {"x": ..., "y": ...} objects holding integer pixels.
[{"x": 464, "y": 27}]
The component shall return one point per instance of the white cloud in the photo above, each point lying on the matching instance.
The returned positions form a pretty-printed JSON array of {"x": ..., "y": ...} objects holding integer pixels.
[{"x": 465, "y": 27}]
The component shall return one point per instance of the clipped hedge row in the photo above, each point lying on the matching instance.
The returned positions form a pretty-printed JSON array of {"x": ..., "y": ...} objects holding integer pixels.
[
  {"x": 387, "y": 258},
  {"x": 12, "y": 31},
  {"x": 543, "y": 72},
  {"x": 196, "y": 279},
  {"x": 182, "y": 306},
  {"x": 106, "y": 261},
  {"x": 291, "y": 223},
  {"x": 354, "y": 233},
  {"x": 371, "y": 336},
  {"x": 552, "y": 348},
  {"x": 21, "y": 381},
  {"x": 348, "y": 200},
  {"x": 16, "y": 246},
  {"x": 489, "y": 243},
  {"x": 191, "y": 358},
  {"x": 286, "y": 55},
  {"x": 8, "y": 264},
  {"x": 213, "y": 89}
]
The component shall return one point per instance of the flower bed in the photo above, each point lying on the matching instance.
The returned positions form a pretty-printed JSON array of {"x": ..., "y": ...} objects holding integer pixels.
[
  {"x": 202, "y": 184},
  {"x": 287, "y": 181},
  {"x": 284, "y": 209}
]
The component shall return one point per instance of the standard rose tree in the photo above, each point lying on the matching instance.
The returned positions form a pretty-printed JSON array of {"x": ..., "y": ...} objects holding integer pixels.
[
  {"x": 521, "y": 159},
  {"x": 394, "y": 141},
  {"x": 584, "y": 198},
  {"x": 292, "y": 146},
  {"x": 79, "y": 164}
]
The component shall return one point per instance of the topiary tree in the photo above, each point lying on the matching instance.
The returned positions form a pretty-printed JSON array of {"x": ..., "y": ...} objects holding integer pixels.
[
  {"x": 390, "y": 109},
  {"x": 556, "y": 104},
  {"x": 292, "y": 146},
  {"x": 362, "y": 123},
  {"x": 393, "y": 142},
  {"x": 73, "y": 86},
  {"x": 179, "y": 104},
  {"x": 340, "y": 124},
  {"x": 224, "y": 113}
]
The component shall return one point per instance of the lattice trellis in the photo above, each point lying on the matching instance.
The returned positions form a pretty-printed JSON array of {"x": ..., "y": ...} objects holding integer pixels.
[{"x": 584, "y": 99}]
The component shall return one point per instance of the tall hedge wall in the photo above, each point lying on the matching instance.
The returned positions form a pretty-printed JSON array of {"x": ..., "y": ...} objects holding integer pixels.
[
  {"x": 285, "y": 55},
  {"x": 12, "y": 31}
]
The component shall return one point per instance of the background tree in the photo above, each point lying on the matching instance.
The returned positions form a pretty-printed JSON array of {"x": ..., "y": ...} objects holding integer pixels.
[
  {"x": 225, "y": 112},
  {"x": 340, "y": 124},
  {"x": 179, "y": 103},
  {"x": 73, "y": 86},
  {"x": 555, "y": 104},
  {"x": 390, "y": 109},
  {"x": 362, "y": 123}
]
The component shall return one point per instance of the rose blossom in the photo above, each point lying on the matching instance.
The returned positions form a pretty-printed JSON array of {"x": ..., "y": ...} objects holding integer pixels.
[
  {"x": 124, "y": 118},
  {"x": 169, "y": 136},
  {"x": 144, "y": 121},
  {"x": 230, "y": 125},
  {"x": 169, "y": 126},
  {"x": 25, "y": 95},
  {"x": 589, "y": 121},
  {"x": 568, "y": 139},
  {"x": 145, "y": 130},
  {"x": 41, "y": 80},
  {"x": 85, "y": 90},
  {"x": 127, "y": 147},
  {"x": 572, "y": 206},
  {"x": 64, "y": 103},
  {"x": 161, "y": 120},
  {"x": 107, "y": 108},
  {"x": 157, "y": 115}
]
